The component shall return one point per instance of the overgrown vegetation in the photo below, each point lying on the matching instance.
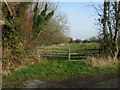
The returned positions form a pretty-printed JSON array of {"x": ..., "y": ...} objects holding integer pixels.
[
  {"x": 12, "y": 37},
  {"x": 54, "y": 70},
  {"x": 20, "y": 33}
]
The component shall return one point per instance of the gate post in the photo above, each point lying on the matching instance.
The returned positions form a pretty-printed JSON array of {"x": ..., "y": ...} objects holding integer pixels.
[
  {"x": 52, "y": 52},
  {"x": 68, "y": 53},
  {"x": 37, "y": 50}
]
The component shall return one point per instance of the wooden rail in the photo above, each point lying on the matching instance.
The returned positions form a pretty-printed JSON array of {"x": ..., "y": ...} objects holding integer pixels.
[
  {"x": 65, "y": 52},
  {"x": 53, "y": 52}
]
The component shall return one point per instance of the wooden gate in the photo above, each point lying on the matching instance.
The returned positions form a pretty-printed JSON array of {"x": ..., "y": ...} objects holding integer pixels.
[
  {"x": 83, "y": 53},
  {"x": 54, "y": 52},
  {"x": 64, "y": 53}
]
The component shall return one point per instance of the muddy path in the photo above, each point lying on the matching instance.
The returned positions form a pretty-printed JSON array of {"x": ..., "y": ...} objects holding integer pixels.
[{"x": 110, "y": 80}]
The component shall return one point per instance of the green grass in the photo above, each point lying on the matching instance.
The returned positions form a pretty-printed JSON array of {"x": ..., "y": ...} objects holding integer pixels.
[
  {"x": 77, "y": 46},
  {"x": 74, "y": 46},
  {"x": 53, "y": 70}
]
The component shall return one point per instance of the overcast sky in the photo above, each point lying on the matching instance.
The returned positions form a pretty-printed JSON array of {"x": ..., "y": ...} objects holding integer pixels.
[{"x": 81, "y": 18}]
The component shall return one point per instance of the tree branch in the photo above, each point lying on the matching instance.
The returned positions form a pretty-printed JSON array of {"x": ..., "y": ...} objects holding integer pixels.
[{"x": 8, "y": 7}]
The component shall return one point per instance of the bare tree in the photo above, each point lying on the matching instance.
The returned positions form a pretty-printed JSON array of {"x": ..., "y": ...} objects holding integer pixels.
[
  {"x": 110, "y": 22},
  {"x": 54, "y": 32}
]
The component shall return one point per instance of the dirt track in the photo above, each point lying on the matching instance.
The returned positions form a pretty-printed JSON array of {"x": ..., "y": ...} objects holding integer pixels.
[{"x": 101, "y": 81}]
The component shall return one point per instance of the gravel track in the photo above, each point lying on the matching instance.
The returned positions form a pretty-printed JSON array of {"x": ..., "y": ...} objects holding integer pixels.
[{"x": 110, "y": 80}]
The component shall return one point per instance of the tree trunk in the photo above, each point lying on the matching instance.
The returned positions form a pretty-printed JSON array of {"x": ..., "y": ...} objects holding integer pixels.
[
  {"x": 118, "y": 54},
  {"x": 105, "y": 21},
  {"x": 105, "y": 33},
  {"x": 117, "y": 27}
]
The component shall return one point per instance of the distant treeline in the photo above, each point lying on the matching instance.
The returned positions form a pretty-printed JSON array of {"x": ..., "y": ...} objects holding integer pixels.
[{"x": 90, "y": 40}]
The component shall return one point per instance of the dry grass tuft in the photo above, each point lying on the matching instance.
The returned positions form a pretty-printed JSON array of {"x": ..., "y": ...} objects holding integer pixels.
[{"x": 102, "y": 62}]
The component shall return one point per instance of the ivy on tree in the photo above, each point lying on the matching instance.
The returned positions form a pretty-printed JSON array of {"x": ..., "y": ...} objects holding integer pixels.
[{"x": 41, "y": 18}]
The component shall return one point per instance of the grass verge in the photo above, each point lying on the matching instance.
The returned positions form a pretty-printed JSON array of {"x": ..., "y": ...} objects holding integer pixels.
[{"x": 53, "y": 70}]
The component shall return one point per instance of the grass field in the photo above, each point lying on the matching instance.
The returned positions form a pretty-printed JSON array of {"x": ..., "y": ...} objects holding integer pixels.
[
  {"x": 53, "y": 70},
  {"x": 74, "y": 46},
  {"x": 56, "y": 69}
]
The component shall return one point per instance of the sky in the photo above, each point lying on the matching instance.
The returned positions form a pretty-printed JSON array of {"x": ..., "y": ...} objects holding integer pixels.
[{"x": 81, "y": 19}]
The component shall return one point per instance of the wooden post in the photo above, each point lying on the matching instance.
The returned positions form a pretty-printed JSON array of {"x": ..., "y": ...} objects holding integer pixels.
[
  {"x": 52, "y": 52},
  {"x": 37, "y": 51},
  {"x": 69, "y": 54}
]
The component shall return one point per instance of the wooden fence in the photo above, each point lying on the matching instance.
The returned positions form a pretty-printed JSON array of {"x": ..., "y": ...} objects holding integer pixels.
[{"x": 64, "y": 53}]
